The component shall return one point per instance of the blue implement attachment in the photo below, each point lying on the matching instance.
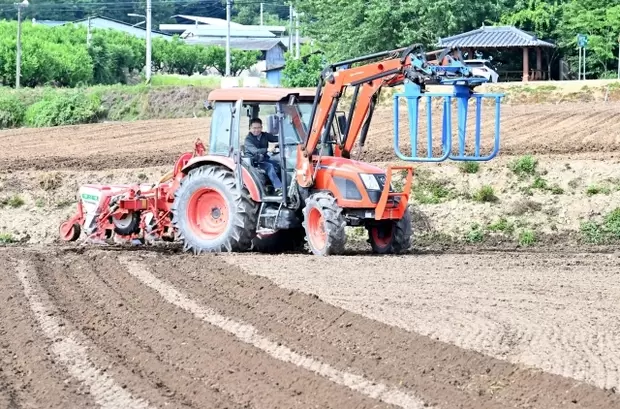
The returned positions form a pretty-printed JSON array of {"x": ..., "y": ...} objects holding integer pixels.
[{"x": 462, "y": 93}]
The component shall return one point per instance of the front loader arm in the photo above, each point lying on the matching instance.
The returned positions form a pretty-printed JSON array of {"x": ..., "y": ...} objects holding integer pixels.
[{"x": 368, "y": 79}]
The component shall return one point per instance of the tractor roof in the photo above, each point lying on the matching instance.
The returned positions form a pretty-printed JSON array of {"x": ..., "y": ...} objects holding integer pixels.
[{"x": 252, "y": 94}]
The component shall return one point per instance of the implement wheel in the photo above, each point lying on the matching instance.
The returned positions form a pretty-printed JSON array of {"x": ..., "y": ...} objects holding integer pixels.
[
  {"x": 391, "y": 236},
  {"x": 70, "y": 231},
  {"x": 209, "y": 216},
  {"x": 324, "y": 225}
]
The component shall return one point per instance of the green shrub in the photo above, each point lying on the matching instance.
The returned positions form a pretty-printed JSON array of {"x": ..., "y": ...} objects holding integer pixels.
[
  {"x": 527, "y": 237},
  {"x": 469, "y": 167},
  {"x": 525, "y": 165},
  {"x": 485, "y": 194},
  {"x": 6, "y": 238},
  {"x": 66, "y": 108},
  {"x": 12, "y": 110},
  {"x": 592, "y": 233}
]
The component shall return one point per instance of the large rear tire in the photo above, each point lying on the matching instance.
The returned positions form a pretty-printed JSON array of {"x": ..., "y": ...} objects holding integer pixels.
[
  {"x": 324, "y": 225},
  {"x": 208, "y": 214},
  {"x": 392, "y": 236}
]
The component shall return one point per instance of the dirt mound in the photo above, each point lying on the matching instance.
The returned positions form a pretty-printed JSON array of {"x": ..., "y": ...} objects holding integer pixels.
[{"x": 137, "y": 329}]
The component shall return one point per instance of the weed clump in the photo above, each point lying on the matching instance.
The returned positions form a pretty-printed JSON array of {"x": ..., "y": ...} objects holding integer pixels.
[
  {"x": 524, "y": 166},
  {"x": 485, "y": 194}
]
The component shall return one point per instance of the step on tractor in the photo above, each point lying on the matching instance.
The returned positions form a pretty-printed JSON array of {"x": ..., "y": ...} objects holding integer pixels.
[{"x": 223, "y": 198}]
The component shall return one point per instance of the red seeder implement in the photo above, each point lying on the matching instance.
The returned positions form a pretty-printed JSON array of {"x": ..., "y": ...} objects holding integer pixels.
[{"x": 132, "y": 212}]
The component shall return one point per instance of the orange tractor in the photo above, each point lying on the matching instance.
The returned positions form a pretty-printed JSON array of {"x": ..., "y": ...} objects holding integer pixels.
[{"x": 220, "y": 199}]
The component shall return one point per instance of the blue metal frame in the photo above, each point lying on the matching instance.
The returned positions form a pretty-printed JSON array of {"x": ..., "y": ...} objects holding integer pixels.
[{"x": 462, "y": 92}]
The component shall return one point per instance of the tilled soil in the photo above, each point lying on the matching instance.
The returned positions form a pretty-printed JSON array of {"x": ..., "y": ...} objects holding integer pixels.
[
  {"x": 587, "y": 129},
  {"x": 136, "y": 329},
  {"x": 553, "y": 311}
]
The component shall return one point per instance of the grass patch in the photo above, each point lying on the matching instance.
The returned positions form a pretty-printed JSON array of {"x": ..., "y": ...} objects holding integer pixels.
[
  {"x": 475, "y": 234},
  {"x": 527, "y": 237},
  {"x": 595, "y": 190},
  {"x": 608, "y": 231},
  {"x": 172, "y": 97},
  {"x": 469, "y": 167},
  {"x": 7, "y": 238},
  {"x": 541, "y": 183},
  {"x": 502, "y": 225},
  {"x": 524, "y": 166},
  {"x": 485, "y": 194},
  {"x": 13, "y": 201},
  {"x": 183, "y": 80},
  {"x": 427, "y": 190}
]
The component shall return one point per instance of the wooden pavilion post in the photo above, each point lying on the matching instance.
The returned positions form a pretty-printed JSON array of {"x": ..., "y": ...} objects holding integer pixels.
[
  {"x": 539, "y": 75},
  {"x": 526, "y": 64}
]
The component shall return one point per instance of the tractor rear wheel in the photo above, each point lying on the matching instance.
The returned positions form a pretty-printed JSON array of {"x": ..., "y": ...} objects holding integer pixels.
[
  {"x": 324, "y": 225},
  {"x": 391, "y": 236},
  {"x": 208, "y": 214}
]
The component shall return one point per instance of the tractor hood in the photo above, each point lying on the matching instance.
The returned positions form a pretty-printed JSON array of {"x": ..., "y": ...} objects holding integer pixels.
[{"x": 349, "y": 165}]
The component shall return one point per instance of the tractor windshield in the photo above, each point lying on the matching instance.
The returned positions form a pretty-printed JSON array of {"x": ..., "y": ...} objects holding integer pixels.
[{"x": 292, "y": 132}]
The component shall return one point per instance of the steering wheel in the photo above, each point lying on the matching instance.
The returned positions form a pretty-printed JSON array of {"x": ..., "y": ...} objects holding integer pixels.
[{"x": 275, "y": 152}]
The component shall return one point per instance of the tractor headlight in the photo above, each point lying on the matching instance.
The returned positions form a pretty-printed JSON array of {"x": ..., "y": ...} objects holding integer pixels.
[{"x": 370, "y": 181}]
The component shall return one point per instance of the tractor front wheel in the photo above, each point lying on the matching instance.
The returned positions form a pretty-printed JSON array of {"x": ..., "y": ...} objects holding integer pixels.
[
  {"x": 324, "y": 225},
  {"x": 391, "y": 236},
  {"x": 208, "y": 214}
]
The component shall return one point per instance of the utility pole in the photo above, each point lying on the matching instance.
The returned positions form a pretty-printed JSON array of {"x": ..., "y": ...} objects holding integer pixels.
[
  {"x": 619, "y": 57},
  {"x": 290, "y": 24},
  {"x": 228, "y": 38},
  {"x": 18, "y": 67},
  {"x": 297, "y": 52},
  {"x": 261, "y": 14},
  {"x": 148, "y": 41},
  {"x": 88, "y": 34}
]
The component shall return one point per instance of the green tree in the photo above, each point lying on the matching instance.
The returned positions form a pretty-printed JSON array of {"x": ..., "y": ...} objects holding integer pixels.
[
  {"x": 303, "y": 72},
  {"x": 239, "y": 60}
]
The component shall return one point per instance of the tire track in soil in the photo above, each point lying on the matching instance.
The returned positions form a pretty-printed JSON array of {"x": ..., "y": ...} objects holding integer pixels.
[
  {"x": 30, "y": 375},
  {"x": 439, "y": 373},
  {"x": 554, "y": 312},
  {"x": 248, "y": 334},
  {"x": 71, "y": 348},
  {"x": 196, "y": 365}
]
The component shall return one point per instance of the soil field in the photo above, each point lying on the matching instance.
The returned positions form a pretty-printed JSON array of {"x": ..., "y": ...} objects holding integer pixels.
[
  {"x": 473, "y": 326},
  {"x": 569, "y": 128},
  {"x": 138, "y": 329}
]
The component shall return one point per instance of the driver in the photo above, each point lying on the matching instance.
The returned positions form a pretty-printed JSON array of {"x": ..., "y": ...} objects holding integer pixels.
[{"x": 256, "y": 144}]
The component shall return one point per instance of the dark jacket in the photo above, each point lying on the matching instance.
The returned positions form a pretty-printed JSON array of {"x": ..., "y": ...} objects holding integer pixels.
[{"x": 256, "y": 147}]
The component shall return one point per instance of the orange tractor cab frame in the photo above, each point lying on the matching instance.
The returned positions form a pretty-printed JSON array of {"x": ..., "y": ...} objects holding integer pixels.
[{"x": 220, "y": 199}]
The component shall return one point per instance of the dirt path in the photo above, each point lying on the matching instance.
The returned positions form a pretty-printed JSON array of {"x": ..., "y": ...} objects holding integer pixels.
[
  {"x": 557, "y": 312},
  {"x": 134, "y": 329}
]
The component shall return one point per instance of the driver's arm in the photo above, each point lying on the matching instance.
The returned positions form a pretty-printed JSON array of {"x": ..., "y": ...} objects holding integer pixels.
[{"x": 271, "y": 137}]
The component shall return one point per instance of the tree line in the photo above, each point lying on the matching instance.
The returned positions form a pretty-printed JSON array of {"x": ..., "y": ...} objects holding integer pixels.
[
  {"x": 243, "y": 11},
  {"x": 347, "y": 29},
  {"x": 60, "y": 56}
]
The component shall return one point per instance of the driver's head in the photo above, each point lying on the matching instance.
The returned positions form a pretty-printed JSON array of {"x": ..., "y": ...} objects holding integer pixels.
[{"x": 256, "y": 126}]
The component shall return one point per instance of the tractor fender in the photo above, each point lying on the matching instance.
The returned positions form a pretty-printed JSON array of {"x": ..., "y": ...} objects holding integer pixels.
[{"x": 248, "y": 179}]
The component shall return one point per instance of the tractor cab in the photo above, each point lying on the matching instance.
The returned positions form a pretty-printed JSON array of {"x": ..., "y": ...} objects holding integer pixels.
[{"x": 234, "y": 109}]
